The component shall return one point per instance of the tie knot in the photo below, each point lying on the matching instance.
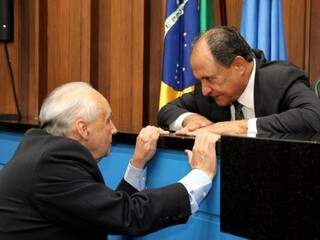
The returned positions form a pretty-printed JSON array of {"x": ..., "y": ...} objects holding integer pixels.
[
  {"x": 237, "y": 104},
  {"x": 238, "y": 111}
]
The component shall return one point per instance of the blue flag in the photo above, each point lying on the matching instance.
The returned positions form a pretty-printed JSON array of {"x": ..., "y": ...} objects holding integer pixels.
[
  {"x": 181, "y": 27},
  {"x": 262, "y": 27}
]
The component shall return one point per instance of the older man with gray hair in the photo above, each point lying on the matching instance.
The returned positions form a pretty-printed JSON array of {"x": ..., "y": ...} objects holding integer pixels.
[{"x": 52, "y": 187}]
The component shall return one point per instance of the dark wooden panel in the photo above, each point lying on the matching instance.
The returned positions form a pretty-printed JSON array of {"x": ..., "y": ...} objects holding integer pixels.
[
  {"x": 68, "y": 40},
  {"x": 43, "y": 51},
  {"x": 233, "y": 8},
  {"x": 126, "y": 63},
  {"x": 295, "y": 27},
  {"x": 29, "y": 64},
  {"x": 155, "y": 38},
  {"x": 104, "y": 66},
  {"x": 6, "y": 95},
  {"x": 314, "y": 50}
]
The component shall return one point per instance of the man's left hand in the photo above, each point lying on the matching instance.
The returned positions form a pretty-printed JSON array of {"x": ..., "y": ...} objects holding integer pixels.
[{"x": 238, "y": 127}]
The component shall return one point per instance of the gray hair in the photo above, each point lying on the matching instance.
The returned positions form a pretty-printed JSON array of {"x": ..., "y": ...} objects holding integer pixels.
[
  {"x": 64, "y": 105},
  {"x": 225, "y": 43}
]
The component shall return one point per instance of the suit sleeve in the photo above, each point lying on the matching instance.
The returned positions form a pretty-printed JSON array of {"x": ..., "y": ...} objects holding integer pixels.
[
  {"x": 171, "y": 111},
  {"x": 193, "y": 102},
  {"x": 67, "y": 191},
  {"x": 301, "y": 112},
  {"x": 126, "y": 187}
]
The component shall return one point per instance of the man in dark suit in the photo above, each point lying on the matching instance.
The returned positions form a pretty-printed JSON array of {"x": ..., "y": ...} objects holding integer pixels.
[
  {"x": 52, "y": 187},
  {"x": 237, "y": 83}
]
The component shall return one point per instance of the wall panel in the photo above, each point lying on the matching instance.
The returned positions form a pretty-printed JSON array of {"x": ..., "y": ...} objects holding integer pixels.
[
  {"x": 104, "y": 47},
  {"x": 68, "y": 41},
  {"x": 295, "y": 28},
  {"x": 29, "y": 61},
  {"x": 155, "y": 31},
  {"x": 6, "y": 97},
  {"x": 126, "y": 63},
  {"x": 233, "y": 12},
  {"x": 117, "y": 45},
  {"x": 314, "y": 46}
]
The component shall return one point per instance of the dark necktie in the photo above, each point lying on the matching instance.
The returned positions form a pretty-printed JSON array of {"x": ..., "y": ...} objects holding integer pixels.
[{"x": 238, "y": 111}]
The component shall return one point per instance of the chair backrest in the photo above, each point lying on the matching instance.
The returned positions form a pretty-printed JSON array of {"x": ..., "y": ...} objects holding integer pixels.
[{"x": 317, "y": 88}]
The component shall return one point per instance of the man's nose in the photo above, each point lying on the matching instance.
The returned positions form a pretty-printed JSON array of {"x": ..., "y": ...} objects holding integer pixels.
[
  {"x": 205, "y": 89},
  {"x": 113, "y": 128}
]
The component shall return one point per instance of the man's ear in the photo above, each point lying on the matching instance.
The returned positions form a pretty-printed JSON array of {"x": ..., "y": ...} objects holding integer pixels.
[
  {"x": 82, "y": 129},
  {"x": 239, "y": 64}
]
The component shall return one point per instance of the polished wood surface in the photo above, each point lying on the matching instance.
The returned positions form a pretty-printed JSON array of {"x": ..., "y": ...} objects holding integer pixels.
[
  {"x": 314, "y": 46},
  {"x": 126, "y": 63},
  {"x": 155, "y": 33},
  {"x": 68, "y": 42},
  {"x": 116, "y": 45}
]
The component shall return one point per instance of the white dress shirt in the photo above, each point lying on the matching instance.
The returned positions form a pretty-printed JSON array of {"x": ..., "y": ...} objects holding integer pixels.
[
  {"x": 196, "y": 182},
  {"x": 246, "y": 99}
]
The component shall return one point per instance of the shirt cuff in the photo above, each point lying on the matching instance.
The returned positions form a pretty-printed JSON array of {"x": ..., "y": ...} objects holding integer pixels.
[
  {"x": 198, "y": 184},
  {"x": 252, "y": 127},
  {"x": 177, "y": 124},
  {"x": 136, "y": 177}
]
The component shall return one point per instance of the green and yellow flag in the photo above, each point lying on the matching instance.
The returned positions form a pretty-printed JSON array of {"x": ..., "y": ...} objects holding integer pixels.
[{"x": 185, "y": 19}]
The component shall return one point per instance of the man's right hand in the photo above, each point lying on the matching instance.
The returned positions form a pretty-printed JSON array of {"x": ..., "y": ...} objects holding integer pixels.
[
  {"x": 203, "y": 154},
  {"x": 146, "y": 145},
  {"x": 192, "y": 123}
]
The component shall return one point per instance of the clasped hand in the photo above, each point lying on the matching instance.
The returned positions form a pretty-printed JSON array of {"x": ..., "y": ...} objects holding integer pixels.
[
  {"x": 203, "y": 154},
  {"x": 195, "y": 124},
  {"x": 146, "y": 145}
]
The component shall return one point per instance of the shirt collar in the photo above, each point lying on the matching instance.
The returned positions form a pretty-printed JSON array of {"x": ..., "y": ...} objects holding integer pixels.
[{"x": 247, "y": 98}]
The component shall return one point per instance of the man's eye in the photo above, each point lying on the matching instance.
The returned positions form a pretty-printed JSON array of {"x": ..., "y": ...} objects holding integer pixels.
[{"x": 208, "y": 79}]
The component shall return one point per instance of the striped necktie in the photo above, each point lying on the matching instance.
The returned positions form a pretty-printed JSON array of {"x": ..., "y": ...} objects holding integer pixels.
[{"x": 238, "y": 111}]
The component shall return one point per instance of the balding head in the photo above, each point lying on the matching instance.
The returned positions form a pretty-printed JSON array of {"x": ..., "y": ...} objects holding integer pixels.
[
  {"x": 225, "y": 43},
  {"x": 69, "y": 102}
]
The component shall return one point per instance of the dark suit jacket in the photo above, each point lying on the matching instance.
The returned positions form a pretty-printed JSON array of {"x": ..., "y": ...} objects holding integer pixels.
[
  {"x": 283, "y": 100},
  {"x": 53, "y": 189}
]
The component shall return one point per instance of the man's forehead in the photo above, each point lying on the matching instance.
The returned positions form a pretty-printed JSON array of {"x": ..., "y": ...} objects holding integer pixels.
[
  {"x": 201, "y": 50},
  {"x": 102, "y": 104},
  {"x": 108, "y": 109},
  {"x": 109, "y": 114}
]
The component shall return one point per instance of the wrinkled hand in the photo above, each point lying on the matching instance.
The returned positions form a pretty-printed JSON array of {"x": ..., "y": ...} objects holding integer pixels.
[
  {"x": 193, "y": 122},
  {"x": 203, "y": 154},
  {"x": 146, "y": 145},
  {"x": 238, "y": 127}
]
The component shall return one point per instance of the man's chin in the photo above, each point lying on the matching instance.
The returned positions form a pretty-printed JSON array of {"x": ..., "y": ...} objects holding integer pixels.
[
  {"x": 108, "y": 151},
  {"x": 222, "y": 103},
  {"x": 105, "y": 154}
]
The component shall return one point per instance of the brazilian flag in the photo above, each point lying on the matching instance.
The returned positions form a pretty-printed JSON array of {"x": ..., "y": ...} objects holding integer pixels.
[{"x": 185, "y": 19}]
